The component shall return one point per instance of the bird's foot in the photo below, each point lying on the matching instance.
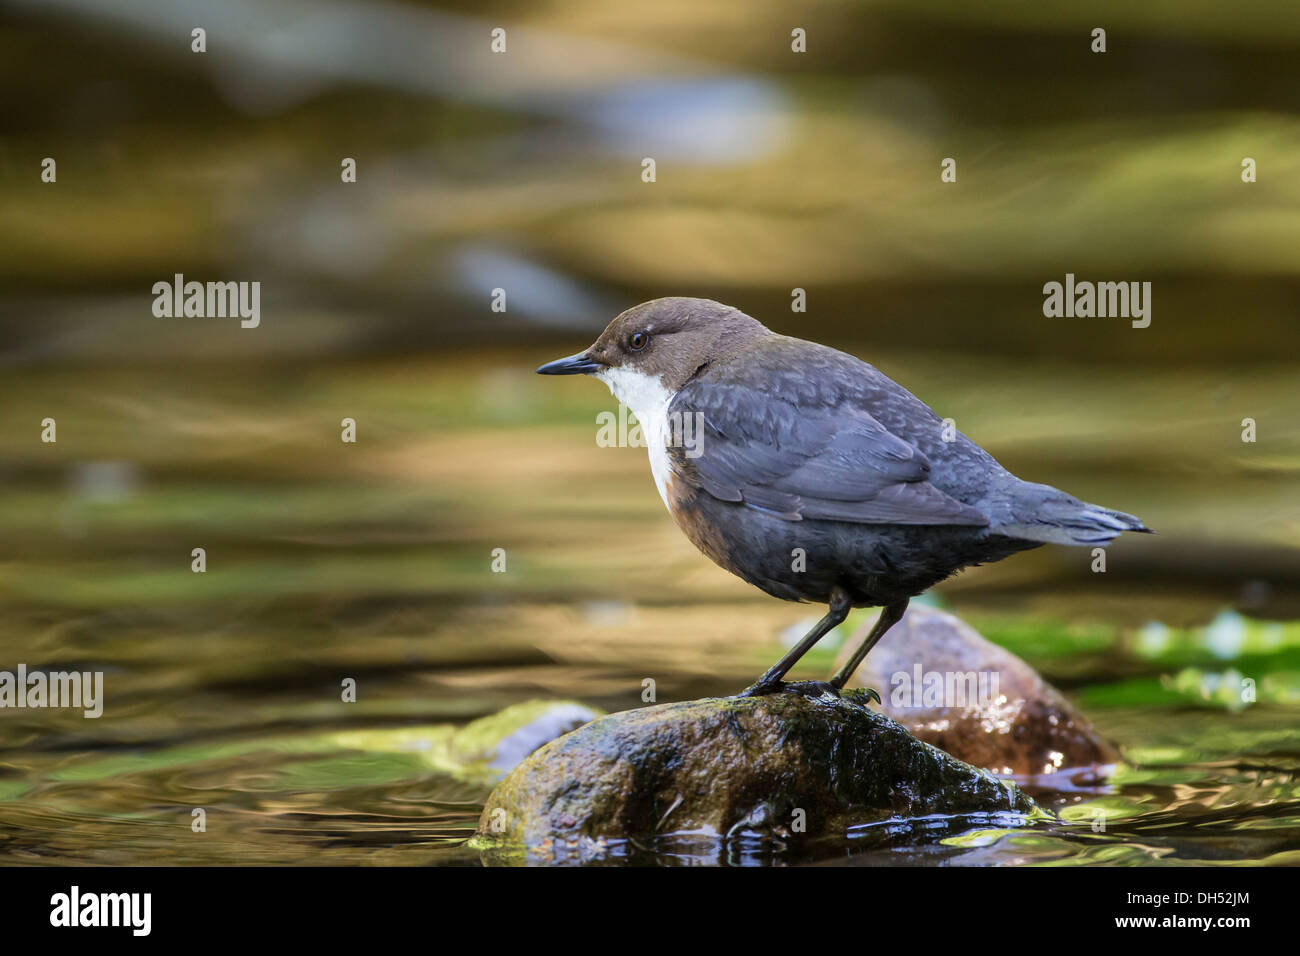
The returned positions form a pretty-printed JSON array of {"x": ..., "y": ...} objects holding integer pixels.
[
  {"x": 762, "y": 688},
  {"x": 812, "y": 688},
  {"x": 871, "y": 694},
  {"x": 804, "y": 688}
]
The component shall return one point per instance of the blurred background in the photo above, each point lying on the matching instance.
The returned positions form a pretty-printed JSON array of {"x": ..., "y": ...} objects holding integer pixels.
[{"x": 522, "y": 171}]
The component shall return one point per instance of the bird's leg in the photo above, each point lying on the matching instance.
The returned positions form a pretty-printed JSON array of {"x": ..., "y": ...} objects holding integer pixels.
[
  {"x": 841, "y": 603},
  {"x": 889, "y": 616}
]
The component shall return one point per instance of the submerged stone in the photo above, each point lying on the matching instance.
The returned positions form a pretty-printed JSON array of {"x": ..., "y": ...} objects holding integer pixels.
[
  {"x": 500, "y": 741},
  {"x": 786, "y": 766},
  {"x": 483, "y": 750},
  {"x": 952, "y": 688}
]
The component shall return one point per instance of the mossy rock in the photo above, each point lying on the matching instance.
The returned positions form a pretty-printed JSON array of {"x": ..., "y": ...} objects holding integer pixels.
[{"x": 787, "y": 766}]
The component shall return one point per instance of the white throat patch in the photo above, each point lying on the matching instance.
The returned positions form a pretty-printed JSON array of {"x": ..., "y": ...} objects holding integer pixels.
[{"x": 646, "y": 396}]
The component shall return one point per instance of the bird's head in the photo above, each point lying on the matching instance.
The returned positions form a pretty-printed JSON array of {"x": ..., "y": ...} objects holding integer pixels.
[{"x": 660, "y": 345}]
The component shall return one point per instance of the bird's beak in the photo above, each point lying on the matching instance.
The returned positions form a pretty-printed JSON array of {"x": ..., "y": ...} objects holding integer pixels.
[{"x": 580, "y": 364}]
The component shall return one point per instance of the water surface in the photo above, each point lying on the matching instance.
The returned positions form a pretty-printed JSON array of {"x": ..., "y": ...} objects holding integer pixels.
[{"x": 373, "y": 561}]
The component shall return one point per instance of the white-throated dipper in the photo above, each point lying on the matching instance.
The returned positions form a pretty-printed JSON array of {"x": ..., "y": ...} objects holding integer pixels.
[{"x": 811, "y": 475}]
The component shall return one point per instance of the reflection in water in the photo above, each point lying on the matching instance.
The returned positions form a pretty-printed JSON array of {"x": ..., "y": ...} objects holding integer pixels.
[
  {"x": 223, "y": 688},
  {"x": 301, "y": 798}
]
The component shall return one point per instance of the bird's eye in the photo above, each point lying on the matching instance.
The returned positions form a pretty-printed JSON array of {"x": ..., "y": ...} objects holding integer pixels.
[{"x": 638, "y": 341}]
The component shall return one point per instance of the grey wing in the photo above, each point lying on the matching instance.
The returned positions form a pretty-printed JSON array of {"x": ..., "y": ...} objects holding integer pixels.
[{"x": 836, "y": 463}]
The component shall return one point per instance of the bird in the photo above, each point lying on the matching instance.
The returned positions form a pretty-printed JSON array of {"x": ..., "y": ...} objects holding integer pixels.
[{"x": 811, "y": 475}]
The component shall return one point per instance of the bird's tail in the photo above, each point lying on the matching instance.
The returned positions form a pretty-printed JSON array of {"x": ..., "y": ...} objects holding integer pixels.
[{"x": 1045, "y": 514}]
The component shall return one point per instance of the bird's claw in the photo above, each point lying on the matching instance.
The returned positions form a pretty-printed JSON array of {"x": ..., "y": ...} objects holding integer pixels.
[{"x": 869, "y": 693}]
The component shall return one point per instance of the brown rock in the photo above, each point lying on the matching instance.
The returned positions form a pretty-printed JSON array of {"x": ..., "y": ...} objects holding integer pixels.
[{"x": 970, "y": 698}]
